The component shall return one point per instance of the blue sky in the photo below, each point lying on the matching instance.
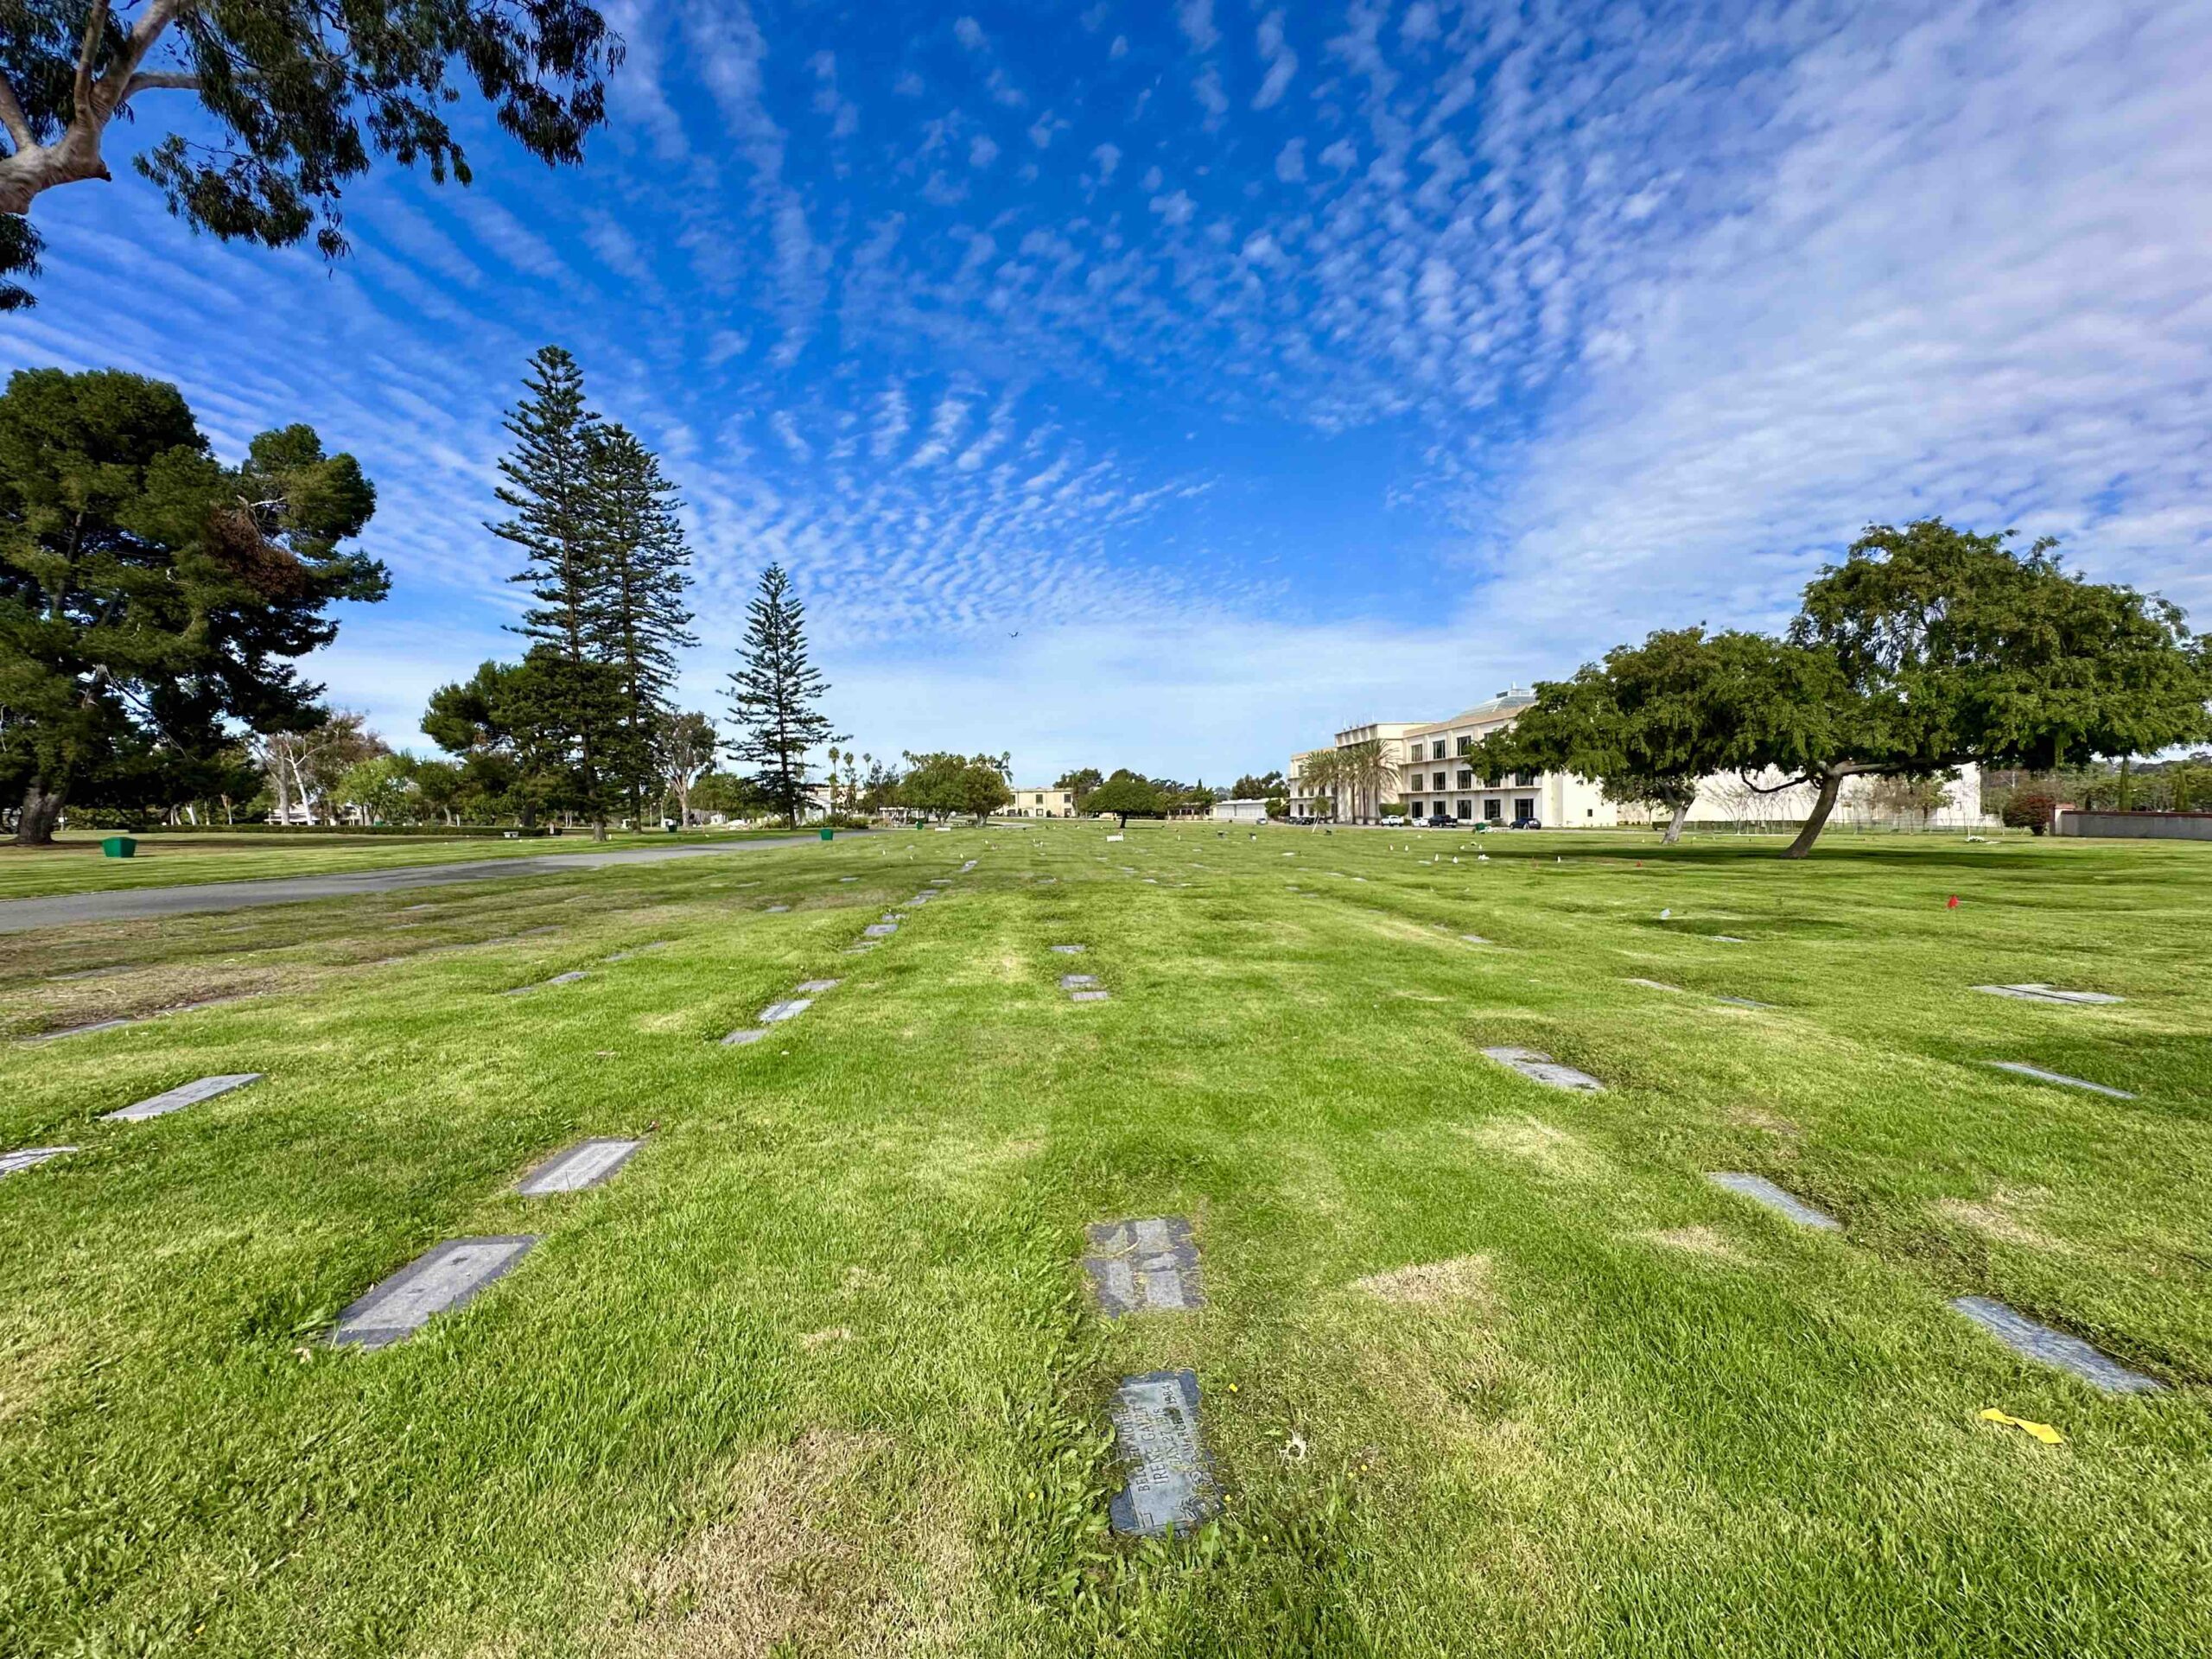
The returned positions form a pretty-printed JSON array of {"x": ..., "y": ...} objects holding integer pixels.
[{"x": 1165, "y": 385}]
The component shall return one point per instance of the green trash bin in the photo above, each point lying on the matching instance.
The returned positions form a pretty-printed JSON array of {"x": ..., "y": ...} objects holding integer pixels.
[
  {"x": 828, "y": 834},
  {"x": 119, "y": 846}
]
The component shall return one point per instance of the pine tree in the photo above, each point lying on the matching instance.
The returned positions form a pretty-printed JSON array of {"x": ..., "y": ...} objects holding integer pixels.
[
  {"x": 773, "y": 693},
  {"x": 552, "y": 497},
  {"x": 638, "y": 621}
]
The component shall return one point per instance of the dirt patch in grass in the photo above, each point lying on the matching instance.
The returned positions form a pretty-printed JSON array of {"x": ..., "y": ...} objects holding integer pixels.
[
  {"x": 1429, "y": 1284},
  {"x": 833, "y": 1543},
  {"x": 1695, "y": 1240},
  {"x": 1999, "y": 1216},
  {"x": 1552, "y": 1150}
]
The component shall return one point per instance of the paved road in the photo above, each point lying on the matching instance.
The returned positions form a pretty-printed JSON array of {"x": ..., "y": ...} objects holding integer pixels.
[{"x": 135, "y": 904}]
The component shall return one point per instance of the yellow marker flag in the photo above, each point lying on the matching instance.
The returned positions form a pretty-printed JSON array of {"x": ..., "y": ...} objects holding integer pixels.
[{"x": 2042, "y": 1431}]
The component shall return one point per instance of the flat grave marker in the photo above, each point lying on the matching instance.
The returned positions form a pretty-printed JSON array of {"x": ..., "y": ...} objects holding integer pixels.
[
  {"x": 879, "y": 929},
  {"x": 1069, "y": 949},
  {"x": 1742, "y": 1002},
  {"x": 1087, "y": 996},
  {"x": 2046, "y": 994},
  {"x": 776, "y": 910},
  {"x": 567, "y": 978},
  {"x": 743, "y": 1035},
  {"x": 30, "y": 1158},
  {"x": 2032, "y": 1340},
  {"x": 82, "y": 1031},
  {"x": 1760, "y": 1189},
  {"x": 788, "y": 1009},
  {"x": 1169, "y": 1489},
  {"x": 444, "y": 1276},
  {"x": 813, "y": 985},
  {"x": 2021, "y": 1068},
  {"x": 588, "y": 1163},
  {"x": 1539, "y": 1067},
  {"x": 1146, "y": 1266},
  {"x": 1071, "y": 981},
  {"x": 184, "y": 1095}
]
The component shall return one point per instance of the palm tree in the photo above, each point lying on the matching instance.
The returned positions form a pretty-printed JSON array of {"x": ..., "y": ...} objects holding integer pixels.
[
  {"x": 1323, "y": 774},
  {"x": 835, "y": 755},
  {"x": 1367, "y": 772}
]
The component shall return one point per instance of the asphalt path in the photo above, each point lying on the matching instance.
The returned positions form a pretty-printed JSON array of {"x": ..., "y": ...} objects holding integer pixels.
[{"x": 137, "y": 903}]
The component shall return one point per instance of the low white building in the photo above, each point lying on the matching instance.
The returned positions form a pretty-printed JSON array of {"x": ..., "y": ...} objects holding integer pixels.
[{"x": 1241, "y": 811}]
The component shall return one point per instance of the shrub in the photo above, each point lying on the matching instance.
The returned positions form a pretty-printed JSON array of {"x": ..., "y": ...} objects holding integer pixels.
[{"x": 2032, "y": 809}]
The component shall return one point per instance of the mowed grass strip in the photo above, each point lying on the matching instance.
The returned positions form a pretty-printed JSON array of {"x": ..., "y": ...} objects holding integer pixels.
[{"x": 1486, "y": 1368}]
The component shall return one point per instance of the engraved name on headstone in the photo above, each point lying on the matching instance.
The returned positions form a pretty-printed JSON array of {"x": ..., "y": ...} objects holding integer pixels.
[
  {"x": 2021, "y": 1068},
  {"x": 2035, "y": 1340},
  {"x": 1170, "y": 1488},
  {"x": 588, "y": 1163},
  {"x": 1146, "y": 1266},
  {"x": 444, "y": 1276},
  {"x": 789, "y": 1008},
  {"x": 1072, "y": 981},
  {"x": 184, "y": 1095},
  {"x": 1542, "y": 1068},
  {"x": 2046, "y": 994},
  {"x": 1760, "y": 1189},
  {"x": 12, "y": 1162},
  {"x": 1087, "y": 996}
]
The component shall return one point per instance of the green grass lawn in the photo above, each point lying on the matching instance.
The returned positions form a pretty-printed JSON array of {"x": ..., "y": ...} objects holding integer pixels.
[
  {"x": 817, "y": 1373},
  {"x": 177, "y": 858}
]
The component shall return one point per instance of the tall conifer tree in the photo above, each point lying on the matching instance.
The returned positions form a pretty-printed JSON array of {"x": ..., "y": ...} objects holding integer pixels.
[
  {"x": 773, "y": 693},
  {"x": 552, "y": 498},
  {"x": 637, "y": 617}
]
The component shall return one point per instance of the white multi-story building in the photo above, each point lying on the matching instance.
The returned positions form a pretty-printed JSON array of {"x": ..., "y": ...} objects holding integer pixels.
[
  {"x": 1429, "y": 771},
  {"x": 1032, "y": 801}
]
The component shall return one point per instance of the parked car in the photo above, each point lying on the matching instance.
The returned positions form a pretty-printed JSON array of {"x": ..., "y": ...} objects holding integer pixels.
[
  {"x": 1442, "y": 821},
  {"x": 1527, "y": 824}
]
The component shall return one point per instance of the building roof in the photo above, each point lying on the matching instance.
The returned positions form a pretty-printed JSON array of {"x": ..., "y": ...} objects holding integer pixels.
[{"x": 1503, "y": 705}]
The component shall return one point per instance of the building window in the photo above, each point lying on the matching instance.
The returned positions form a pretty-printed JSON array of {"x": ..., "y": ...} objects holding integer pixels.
[
  {"x": 1413, "y": 807},
  {"x": 1436, "y": 750},
  {"x": 1438, "y": 781},
  {"x": 1523, "y": 779},
  {"x": 1464, "y": 809},
  {"x": 1466, "y": 778},
  {"x": 1493, "y": 809},
  {"x": 1525, "y": 807}
]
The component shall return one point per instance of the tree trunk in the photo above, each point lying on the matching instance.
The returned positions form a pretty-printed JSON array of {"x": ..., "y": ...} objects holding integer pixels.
[
  {"x": 1823, "y": 804},
  {"x": 41, "y": 811},
  {"x": 1674, "y": 825}
]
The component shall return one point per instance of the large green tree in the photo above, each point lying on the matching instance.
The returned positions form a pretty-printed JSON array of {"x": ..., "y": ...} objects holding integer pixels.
[
  {"x": 945, "y": 784},
  {"x": 292, "y": 97},
  {"x": 1127, "y": 796},
  {"x": 1652, "y": 720},
  {"x": 1945, "y": 648},
  {"x": 514, "y": 757},
  {"x": 152, "y": 599},
  {"x": 775, "y": 694}
]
